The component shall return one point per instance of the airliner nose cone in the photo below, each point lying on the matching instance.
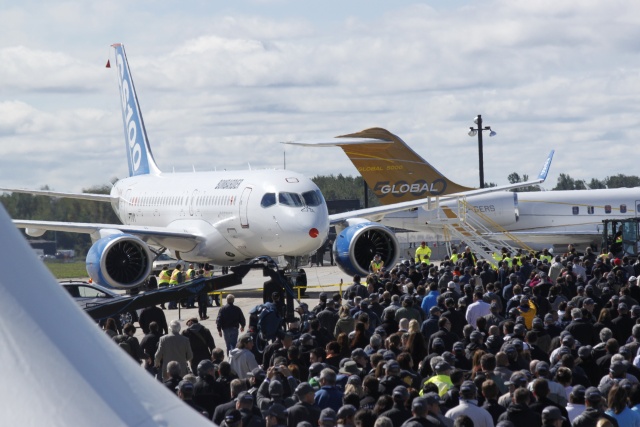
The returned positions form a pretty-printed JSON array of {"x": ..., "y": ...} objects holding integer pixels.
[{"x": 314, "y": 233}]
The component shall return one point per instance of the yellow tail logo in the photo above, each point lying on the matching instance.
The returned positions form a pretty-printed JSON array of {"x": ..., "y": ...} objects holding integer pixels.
[{"x": 394, "y": 171}]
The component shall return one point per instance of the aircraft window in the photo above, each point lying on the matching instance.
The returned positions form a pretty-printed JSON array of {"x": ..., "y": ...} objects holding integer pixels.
[
  {"x": 623, "y": 208},
  {"x": 290, "y": 199},
  {"x": 607, "y": 209},
  {"x": 87, "y": 292},
  {"x": 590, "y": 210},
  {"x": 576, "y": 210},
  {"x": 268, "y": 199},
  {"x": 312, "y": 198}
]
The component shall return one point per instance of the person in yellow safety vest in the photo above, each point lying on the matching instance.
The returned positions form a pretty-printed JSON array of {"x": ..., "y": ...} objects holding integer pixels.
[
  {"x": 164, "y": 277},
  {"x": 163, "y": 280},
  {"x": 423, "y": 254},
  {"x": 454, "y": 256},
  {"x": 376, "y": 264},
  {"x": 545, "y": 255},
  {"x": 440, "y": 379},
  {"x": 469, "y": 256},
  {"x": 507, "y": 259},
  {"x": 176, "y": 278},
  {"x": 190, "y": 274}
]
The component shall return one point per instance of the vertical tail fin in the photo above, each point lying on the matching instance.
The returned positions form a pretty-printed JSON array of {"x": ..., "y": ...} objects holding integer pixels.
[
  {"x": 139, "y": 155},
  {"x": 394, "y": 171}
]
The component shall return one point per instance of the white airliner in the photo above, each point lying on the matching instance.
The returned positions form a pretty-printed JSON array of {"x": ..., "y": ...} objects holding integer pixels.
[
  {"x": 540, "y": 219},
  {"x": 224, "y": 217}
]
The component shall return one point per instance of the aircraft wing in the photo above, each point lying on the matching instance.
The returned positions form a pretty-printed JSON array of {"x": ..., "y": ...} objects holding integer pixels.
[
  {"x": 377, "y": 213},
  {"x": 81, "y": 196},
  {"x": 182, "y": 240}
]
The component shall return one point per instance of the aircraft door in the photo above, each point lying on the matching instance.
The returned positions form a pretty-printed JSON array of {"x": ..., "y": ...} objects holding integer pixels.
[
  {"x": 637, "y": 208},
  {"x": 244, "y": 207},
  {"x": 192, "y": 202}
]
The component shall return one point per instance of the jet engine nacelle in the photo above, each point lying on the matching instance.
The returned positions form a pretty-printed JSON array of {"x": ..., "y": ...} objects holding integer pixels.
[
  {"x": 119, "y": 261},
  {"x": 355, "y": 247}
]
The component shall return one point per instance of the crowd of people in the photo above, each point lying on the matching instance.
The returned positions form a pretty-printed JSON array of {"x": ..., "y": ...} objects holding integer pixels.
[{"x": 541, "y": 340}]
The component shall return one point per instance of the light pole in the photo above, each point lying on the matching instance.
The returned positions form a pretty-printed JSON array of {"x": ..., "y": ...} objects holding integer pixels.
[{"x": 472, "y": 132}]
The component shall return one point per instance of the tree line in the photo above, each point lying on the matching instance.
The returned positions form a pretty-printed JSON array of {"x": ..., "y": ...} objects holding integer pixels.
[{"x": 333, "y": 187}]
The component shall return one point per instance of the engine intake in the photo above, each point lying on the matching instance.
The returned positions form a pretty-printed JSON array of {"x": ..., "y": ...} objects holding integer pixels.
[
  {"x": 355, "y": 247},
  {"x": 120, "y": 261}
]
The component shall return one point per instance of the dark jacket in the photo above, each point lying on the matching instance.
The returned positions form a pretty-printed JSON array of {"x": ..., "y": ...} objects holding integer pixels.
[
  {"x": 153, "y": 314},
  {"x": 398, "y": 414},
  {"x": 590, "y": 417},
  {"x": 302, "y": 411},
  {"x": 521, "y": 416},
  {"x": 201, "y": 342},
  {"x": 230, "y": 316}
]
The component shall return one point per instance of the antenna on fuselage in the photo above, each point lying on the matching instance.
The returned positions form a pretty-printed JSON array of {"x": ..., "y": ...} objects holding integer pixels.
[{"x": 249, "y": 164}]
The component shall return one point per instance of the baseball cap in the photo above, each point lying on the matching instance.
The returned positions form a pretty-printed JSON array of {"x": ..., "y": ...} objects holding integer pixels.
[
  {"x": 303, "y": 389},
  {"x": 617, "y": 368},
  {"x": 389, "y": 355},
  {"x": 278, "y": 411},
  {"x": 323, "y": 296},
  {"x": 392, "y": 365},
  {"x": 432, "y": 398},
  {"x": 401, "y": 391},
  {"x": 232, "y": 417},
  {"x": 245, "y": 338},
  {"x": 518, "y": 379},
  {"x": 358, "y": 352},
  {"x": 552, "y": 413},
  {"x": 258, "y": 373},
  {"x": 468, "y": 387},
  {"x": 275, "y": 388},
  {"x": 578, "y": 393},
  {"x": 246, "y": 397},
  {"x": 328, "y": 417},
  {"x": 438, "y": 343},
  {"x": 355, "y": 380},
  {"x": 346, "y": 411},
  {"x": 419, "y": 403},
  {"x": 593, "y": 395},
  {"x": 184, "y": 385},
  {"x": 542, "y": 368},
  {"x": 435, "y": 309},
  {"x": 633, "y": 279}
]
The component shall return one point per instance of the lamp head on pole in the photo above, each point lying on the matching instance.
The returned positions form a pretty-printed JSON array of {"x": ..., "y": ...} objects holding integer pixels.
[
  {"x": 476, "y": 120},
  {"x": 472, "y": 132}
]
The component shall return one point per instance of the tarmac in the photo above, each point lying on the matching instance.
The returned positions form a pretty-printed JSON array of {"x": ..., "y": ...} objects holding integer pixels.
[{"x": 249, "y": 294}]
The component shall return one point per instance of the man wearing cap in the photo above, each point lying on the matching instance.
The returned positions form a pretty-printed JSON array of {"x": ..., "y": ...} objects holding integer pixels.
[
  {"x": 442, "y": 378},
  {"x": 391, "y": 379},
  {"x": 305, "y": 409},
  {"x": 256, "y": 378},
  {"x": 623, "y": 324},
  {"x": 360, "y": 290},
  {"x": 421, "y": 417},
  {"x": 328, "y": 418},
  {"x": 185, "y": 393},
  {"x": 552, "y": 417},
  {"x": 398, "y": 413},
  {"x": 576, "y": 402},
  {"x": 276, "y": 416},
  {"x": 594, "y": 402},
  {"x": 469, "y": 406},
  {"x": 517, "y": 381},
  {"x": 241, "y": 358},
  {"x": 519, "y": 412}
]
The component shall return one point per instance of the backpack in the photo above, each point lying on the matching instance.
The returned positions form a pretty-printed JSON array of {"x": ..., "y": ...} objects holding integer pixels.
[
  {"x": 121, "y": 340},
  {"x": 268, "y": 321}
]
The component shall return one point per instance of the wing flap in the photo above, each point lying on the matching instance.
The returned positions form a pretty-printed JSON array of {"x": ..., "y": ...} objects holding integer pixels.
[{"x": 80, "y": 196}]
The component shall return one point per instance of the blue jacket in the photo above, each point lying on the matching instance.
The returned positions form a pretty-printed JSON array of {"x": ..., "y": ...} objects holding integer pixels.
[
  {"x": 329, "y": 397},
  {"x": 430, "y": 301}
]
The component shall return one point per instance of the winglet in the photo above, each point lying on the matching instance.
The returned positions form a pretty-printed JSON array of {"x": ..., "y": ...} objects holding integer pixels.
[
  {"x": 139, "y": 155},
  {"x": 545, "y": 168},
  {"x": 393, "y": 171}
]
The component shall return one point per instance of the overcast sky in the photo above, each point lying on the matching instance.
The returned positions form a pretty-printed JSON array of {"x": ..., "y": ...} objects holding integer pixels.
[{"x": 221, "y": 83}]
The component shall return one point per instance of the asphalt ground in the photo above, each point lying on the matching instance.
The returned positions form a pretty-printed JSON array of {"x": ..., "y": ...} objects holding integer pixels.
[{"x": 249, "y": 294}]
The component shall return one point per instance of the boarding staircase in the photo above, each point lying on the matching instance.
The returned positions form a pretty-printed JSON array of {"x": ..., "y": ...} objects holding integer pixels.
[{"x": 472, "y": 227}]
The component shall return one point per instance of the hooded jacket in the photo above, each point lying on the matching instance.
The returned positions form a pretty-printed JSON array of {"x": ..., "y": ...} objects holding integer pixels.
[{"x": 242, "y": 361}]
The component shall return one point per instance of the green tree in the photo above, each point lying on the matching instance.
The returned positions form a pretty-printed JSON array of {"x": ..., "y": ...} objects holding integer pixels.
[{"x": 565, "y": 182}]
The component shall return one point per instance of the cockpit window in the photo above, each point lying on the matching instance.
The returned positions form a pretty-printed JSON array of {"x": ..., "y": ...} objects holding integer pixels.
[
  {"x": 290, "y": 199},
  {"x": 268, "y": 199},
  {"x": 312, "y": 198}
]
